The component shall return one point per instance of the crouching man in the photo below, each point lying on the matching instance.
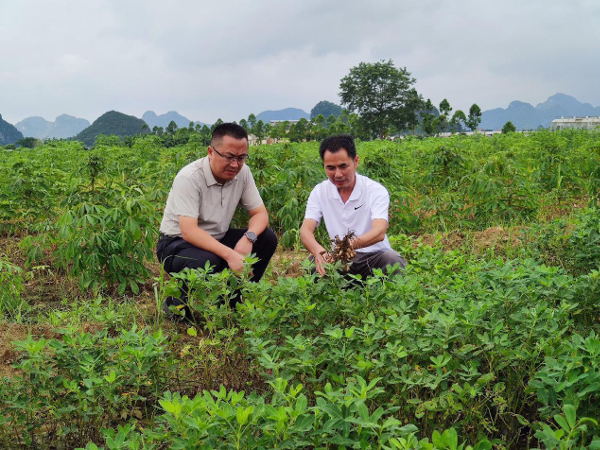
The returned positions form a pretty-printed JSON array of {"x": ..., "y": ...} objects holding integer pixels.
[
  {"x": 347, "y": 201},
  {"x": 196, "y": 225}
]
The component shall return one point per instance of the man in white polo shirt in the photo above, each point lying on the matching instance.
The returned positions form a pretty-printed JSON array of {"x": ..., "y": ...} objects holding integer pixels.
[
  {"x": 196, "y": 229},
  {"x": 347, "y": 202}
]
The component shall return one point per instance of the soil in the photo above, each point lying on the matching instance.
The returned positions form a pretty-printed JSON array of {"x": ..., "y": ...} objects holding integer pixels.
[{"x": 9, "y": 333}]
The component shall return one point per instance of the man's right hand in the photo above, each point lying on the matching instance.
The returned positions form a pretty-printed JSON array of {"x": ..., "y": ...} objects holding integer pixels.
[
  {"x": 235, "y": 261},
  {"x": 319, "y": 261}
]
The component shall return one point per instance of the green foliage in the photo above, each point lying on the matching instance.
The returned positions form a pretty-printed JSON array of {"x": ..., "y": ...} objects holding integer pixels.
[
  {"x": 12, "y": 285},
  {"x": 326, "y": 109},
  {"x": 112, "y": 123},
  {"x": 9, "y": 135},
  {"x": 382, "y": 95},
  {"x": 573, "y": 244},
  {"x": 474, "y": 118},
  {"x": 101, "y": 380},
  {"x": 116, "y": 226},
  {"x": 462, "y": 345},
  {"x": 229, "y": 419},
  {"x": 509, "y": 127},
  {"x": 570, "y": 433},
  {"x": 29, "y": 142}
]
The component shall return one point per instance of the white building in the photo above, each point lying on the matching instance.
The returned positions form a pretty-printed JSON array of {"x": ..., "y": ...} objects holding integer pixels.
[{"x": 578, "y": 123}]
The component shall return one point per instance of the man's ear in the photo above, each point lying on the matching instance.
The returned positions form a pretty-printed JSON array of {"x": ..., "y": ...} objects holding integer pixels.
[{"x": 356, "y": 161}]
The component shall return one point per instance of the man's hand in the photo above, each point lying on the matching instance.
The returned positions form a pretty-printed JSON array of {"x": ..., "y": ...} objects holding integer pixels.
[
  {"x": 235, "y": 261},
  {"x": 243, "y": 246},
  {"x": 319, "y": 261}
]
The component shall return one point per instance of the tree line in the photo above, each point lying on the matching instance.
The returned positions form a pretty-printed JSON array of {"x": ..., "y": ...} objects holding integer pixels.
[{"x": 378, "y": 100}]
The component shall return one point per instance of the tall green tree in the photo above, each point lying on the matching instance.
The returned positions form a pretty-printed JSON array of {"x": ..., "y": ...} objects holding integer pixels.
[
  {"x": 172, "y": 127},
  {"x": 509, "y": 127},
  {"x": 382, "y": 95},
  {"x": 216, "y": 124},
  {"x": 300, "y": 130},
  {"x": 326, "y": 108},
  {"x": 443, "y": 120},
  {"x": 251, "y": 123},
  {"x": 428, "y": 123},
  {"x": 259, "y": 131},
  {"x": 29, "y": 142},
  {"x": 474, "y": 118},
  {"x": 457, "y": 121}
]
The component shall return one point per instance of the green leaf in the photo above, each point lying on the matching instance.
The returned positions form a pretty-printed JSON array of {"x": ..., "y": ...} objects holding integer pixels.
[
  {"x": 192, "y": 331},
  {"x": 571, "y": 415}
]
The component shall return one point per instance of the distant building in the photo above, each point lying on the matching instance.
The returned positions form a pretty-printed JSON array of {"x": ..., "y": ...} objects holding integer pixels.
[{"x": 578, "y": 123}]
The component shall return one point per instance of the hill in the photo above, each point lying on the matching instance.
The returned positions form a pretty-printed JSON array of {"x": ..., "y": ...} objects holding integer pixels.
[
  {"x": 67, "y": 126},
  {"x": 64, "y": 127},
  {"x": 8, "y": 133},
  {"x": 526, "y": 117},
  {"x": 35, "y": 126},
  {"x": 111, "y": 123},
  {"x": 164, "y": 120},
  {"x": 283, "y": 114}
]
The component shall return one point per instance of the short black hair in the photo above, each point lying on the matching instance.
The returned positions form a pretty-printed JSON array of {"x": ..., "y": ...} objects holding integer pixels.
[
  {"x": 336, "y": 143},
  {"x": 228, "y": 129}
]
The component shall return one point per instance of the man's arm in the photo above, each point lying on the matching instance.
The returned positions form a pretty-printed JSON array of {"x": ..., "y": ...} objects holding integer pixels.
[
  {"x": 307, "y": 236},
  {"x": 192, "y": 233},
  {"x": 259, "y": 220},
  {"x": 373, "y": 236}
]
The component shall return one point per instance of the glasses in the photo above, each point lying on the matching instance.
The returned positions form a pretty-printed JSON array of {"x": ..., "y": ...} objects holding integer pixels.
[{"x": 240, "y": 159}]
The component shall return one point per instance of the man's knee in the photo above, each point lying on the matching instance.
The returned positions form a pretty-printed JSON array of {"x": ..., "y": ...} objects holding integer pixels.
[
  {"x": 390, "y": 258},
  {"x": 268, "y": 241}
]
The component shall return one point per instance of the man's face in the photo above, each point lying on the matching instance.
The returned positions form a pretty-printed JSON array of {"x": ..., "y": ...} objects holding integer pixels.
[
  {"x": 340, "y": 169},
  {"x": 222, "y": 156}
]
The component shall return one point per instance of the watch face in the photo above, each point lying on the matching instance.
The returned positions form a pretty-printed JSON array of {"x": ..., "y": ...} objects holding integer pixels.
[{"x": 251, "y": 236}]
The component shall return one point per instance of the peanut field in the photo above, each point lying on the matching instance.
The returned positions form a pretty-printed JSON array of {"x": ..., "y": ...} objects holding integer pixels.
[{"x": 489, "y": 339}]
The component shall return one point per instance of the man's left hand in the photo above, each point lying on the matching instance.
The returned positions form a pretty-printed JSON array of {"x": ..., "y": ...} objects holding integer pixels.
[{"x": 243, "y": 246}]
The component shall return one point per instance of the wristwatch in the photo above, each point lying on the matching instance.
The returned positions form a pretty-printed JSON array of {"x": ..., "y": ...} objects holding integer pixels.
[{"x": 251, "y": 235}]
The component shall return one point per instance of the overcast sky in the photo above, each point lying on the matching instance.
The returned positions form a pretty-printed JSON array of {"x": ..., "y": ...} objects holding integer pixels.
[{"x": 227, "y": 59}]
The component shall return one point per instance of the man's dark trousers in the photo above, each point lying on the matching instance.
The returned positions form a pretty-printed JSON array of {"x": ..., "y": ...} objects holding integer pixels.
[{"x": 176, "y": 254}]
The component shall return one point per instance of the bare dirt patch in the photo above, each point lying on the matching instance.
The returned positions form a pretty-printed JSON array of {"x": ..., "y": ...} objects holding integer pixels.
[
  {"x": 287, "y": 263},
  {"x": 9, "y": 333},
  {"x": 496, "y": 239}
]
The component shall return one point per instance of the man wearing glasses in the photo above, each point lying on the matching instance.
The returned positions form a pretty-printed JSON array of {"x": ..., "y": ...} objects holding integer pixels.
[
  {"x": 348, "y": 201},
  {"x": 205, "y": 194}
]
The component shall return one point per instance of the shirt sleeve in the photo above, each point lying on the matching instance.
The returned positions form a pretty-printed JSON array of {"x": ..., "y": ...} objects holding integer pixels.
[
  {"x": 185, "y": 197},
  {"x": 314, "y": 210},
  {"x": 250, "y": 198},
  {"x": 380, "y": 204}
]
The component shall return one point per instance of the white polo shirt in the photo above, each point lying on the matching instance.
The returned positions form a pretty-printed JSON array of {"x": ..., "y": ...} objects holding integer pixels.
[{"x": 369, "y": 200}]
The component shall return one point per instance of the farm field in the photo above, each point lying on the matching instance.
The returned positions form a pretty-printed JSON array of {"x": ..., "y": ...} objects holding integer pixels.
[{"x": 489, "y": 339}]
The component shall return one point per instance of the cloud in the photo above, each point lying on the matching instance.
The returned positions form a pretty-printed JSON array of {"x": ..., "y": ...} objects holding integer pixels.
[{"x": 230, "y": 58}]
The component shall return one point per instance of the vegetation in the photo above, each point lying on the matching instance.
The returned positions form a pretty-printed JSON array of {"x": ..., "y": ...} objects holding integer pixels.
[
  {"x": 8, "y": 133},
  {"x": 509, "y": 127},
  {"x": 488, "y": 339},
  {"x": 326, "y": 109},
  {"x": 382, "y": 95},
  {"x": 112, "y": 123}
]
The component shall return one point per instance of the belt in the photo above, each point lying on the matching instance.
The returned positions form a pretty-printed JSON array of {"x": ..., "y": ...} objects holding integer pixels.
[{"x": 166, "y": 236}]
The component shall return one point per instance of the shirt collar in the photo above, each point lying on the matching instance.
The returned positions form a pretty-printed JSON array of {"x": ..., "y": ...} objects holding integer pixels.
[{"x": 355, "y": 195}]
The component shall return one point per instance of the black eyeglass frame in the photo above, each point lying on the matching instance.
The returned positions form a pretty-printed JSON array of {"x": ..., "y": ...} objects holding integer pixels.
[{"x": 240, "y": 159}]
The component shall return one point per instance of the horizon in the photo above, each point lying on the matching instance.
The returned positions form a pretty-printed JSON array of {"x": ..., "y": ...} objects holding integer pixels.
[{"x": 256, "y": 113}]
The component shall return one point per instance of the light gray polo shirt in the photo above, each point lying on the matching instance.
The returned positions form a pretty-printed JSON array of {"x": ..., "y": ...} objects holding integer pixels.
[{"x": 196, "y": 193}]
